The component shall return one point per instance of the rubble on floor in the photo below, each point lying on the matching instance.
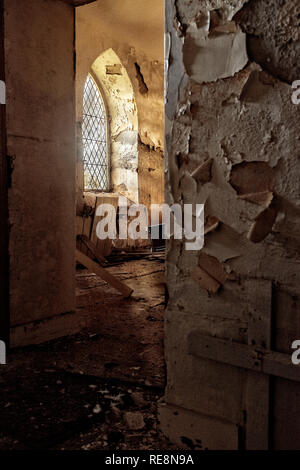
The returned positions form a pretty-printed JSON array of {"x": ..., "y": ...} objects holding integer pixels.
[
  {"x": 98, "y": 389},
  {"x": 52, "y": 409}
]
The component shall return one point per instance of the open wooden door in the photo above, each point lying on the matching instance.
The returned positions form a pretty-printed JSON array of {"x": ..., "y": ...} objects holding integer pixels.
[{"x": 4, "y": 257}]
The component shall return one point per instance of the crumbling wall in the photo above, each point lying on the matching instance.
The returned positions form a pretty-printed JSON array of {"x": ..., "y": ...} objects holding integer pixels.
[
  {"x": 121, "y": 110},
  {"x": 232, "y": 144},
  {"x": 41, "y": 145},
  {"x": 133, "y": 29}
]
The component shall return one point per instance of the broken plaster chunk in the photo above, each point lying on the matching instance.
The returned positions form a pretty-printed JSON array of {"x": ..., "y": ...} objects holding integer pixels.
[
  {"x": 208, "y": 59},
  {"x": 97, "y": 409},
  {"x": 226, "y": 244},
  {"x": 202, "y": 174},
  {"x": 252, "y": 177},
  {"x": 257, "y": 87},
  {"x": 226, "y": 28},
  {"x": 263, "y": 198},
  {"x": 138, "y": 399},
  {"x": 182, "y": 133},
  {"x": 263, "y": 225},
  {"x": 212, "y": 223},
  {"x": 115, "y": 69},
  {"x": 205, "y": 280},
  {"x": 189, "y": 188},
  {"x": 213, "y": 267},
  {"x": 134, "y": 420}
]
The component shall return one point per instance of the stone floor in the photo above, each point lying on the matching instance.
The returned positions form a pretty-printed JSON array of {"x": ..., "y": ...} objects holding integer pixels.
[{"x": 98, "y": 389}]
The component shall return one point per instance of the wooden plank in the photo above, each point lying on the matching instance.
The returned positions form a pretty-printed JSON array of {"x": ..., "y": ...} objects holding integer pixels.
[
  {"x": 243, "y": 356},
  {"x": 47, "y": 329},
  {"x": 258, "y": 385},
  {"x": 87, "y": 226},
  {"x": 93, "y": 249},
  {"x": 103, "y": 246},
  {"x": 103, "y": 273},
  {"x": 86, "y": 232},
  {"x": 79, "y": 225},
  {"x": 4, "y": 232},
  {"x": 215, "y": 434}
]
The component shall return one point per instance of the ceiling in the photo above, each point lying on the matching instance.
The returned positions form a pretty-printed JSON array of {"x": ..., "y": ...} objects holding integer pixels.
[{"x": 136, "y": 22}]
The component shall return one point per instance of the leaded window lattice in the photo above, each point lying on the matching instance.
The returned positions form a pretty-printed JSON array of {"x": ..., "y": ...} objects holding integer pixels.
[{"x": 94, "y": 136}]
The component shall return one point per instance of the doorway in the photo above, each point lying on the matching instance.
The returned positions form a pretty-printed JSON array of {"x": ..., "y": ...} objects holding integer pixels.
[
  {"x": 96, "y": 371},
  {"x": 120, "y": 160}
]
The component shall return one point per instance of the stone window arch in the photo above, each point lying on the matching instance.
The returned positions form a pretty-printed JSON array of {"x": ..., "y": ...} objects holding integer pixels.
[
  {"x": 115, "y": 86},
  {"x": 95, "y": 138}
]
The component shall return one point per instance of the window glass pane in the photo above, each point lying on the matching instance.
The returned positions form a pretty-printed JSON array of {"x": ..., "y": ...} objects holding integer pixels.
[{"x": 94, "y": 130}]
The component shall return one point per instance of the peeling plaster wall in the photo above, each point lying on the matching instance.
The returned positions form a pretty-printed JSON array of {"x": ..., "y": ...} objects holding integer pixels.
[
  {"x": 232, "y": 137},
  {"x": 121, "y": 110},
  {"x": 134, "y": 30},
  {"x": 41, "y": 143}
]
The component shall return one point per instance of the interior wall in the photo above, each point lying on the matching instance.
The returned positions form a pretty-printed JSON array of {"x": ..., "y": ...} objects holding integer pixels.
[
  {"x": 39, "y": 55},
  {"x": 122, "y": 115},
  {"x": 232, "y": 143},
  {"x": 134, "y": 30}
]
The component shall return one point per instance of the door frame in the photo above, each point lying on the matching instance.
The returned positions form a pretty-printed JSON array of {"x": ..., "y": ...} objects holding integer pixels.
[{"x": 4, "y": 221}]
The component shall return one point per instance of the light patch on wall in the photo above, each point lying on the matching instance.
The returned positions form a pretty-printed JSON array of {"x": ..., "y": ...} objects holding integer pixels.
[{"x": 118, "y": 94}]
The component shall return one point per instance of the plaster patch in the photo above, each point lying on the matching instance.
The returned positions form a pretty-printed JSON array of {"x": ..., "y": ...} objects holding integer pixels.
[{"x": 217, "y": 56}]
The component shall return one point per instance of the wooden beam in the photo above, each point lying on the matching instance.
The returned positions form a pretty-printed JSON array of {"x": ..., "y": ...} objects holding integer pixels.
[
  {"x": 103, "y": 273},
  {"x": 257, "y": 399},
  {"x": 93, "y": 249},
  {"x": 243, "y": 356},
  {"x": 104, "y": 246}
]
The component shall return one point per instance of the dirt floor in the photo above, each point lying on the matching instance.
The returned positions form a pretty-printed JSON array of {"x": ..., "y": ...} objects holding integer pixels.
[{"x": 99, "y": 389}]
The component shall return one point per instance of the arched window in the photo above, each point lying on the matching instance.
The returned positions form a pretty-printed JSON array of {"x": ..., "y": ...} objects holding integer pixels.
[{"x": 94, "y": 136}]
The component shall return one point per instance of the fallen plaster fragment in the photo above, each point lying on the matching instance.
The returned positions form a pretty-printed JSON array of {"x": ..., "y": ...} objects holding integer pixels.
[
  {"x": 97, "y": 409},
  {"x": 202, "y": 174},
  {"x": 212, "y": 224},
  {"x": 213, "y": 267},
  {"x": 263, "y": 225},
  {"x": 205, "y": 280},
  {"x": 134, "y": 421},
  {"x": 220, "y": 55},
  {"x": 263, "y": 198}
]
